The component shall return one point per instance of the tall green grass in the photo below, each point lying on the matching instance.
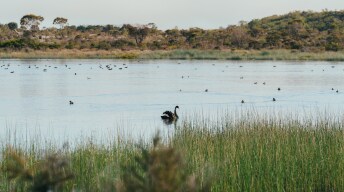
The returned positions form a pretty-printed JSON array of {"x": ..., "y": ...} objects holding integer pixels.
[
  {"x": 249, "y": 152},
  {"x": 267, "y": 154}
]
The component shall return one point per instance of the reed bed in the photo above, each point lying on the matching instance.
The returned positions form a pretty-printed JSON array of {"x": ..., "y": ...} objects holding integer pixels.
[
  {"x": 175, "y": 54},
  {"x": 247, "y": 152},
  {"x": 264, "y": 154}
]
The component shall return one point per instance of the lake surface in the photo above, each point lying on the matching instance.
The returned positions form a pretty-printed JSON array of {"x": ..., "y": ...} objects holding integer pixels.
[{"x": 35, "y": 94}]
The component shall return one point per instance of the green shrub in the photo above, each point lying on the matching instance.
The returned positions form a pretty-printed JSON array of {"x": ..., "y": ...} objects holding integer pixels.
[
  {"x": 161, "y": 168},
  {"x": 49, "y": 173}
]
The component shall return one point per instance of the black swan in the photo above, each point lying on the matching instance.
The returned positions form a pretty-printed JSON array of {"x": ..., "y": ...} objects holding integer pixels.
[{"x": 168, "y": 116}]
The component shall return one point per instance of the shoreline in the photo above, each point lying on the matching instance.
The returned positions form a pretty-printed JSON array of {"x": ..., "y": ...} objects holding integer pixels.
[{"x": 192, "y": 54}]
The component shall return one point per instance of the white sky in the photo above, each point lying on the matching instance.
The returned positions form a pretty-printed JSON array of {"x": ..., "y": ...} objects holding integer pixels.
[{"x": 164, "y": 13}]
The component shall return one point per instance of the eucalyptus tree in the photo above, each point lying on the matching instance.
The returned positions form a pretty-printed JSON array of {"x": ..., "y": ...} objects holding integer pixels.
[
  {"x": 31, "y": 21},
  {"x": 138, "y": 32},
  {"x": 60, "y": 21}
]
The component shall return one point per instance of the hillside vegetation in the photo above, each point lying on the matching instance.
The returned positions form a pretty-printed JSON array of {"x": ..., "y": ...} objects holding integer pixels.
[{"x": 305, "y": 31}]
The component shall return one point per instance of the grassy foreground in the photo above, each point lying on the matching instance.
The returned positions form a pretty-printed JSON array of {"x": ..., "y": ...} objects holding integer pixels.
[
  {"x": 245, "y": 154},
  {"x": 175, "y": 54}
]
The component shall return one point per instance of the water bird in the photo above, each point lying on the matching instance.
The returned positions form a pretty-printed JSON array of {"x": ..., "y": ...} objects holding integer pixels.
[
  {"x": 264, "y": 83},
  {"x": 206, "y": 90},
  {"x": 74, "y": 73},
  {"x": 337, "y": 91},
  {"x": 273, "y": 99},
  {"x": 278, "y": 89},
  {"x": 170, "y": 117},
  {"x": 71, "y": 102},
  {"x": 242, "y": 101},
  {"x": 255, "y": 83},
  {"x": 44, "y": 70},
  {"x": 12, "y": 71},
  {"x": 241, "y": 77},
  {"x": 332, "y": 89}
]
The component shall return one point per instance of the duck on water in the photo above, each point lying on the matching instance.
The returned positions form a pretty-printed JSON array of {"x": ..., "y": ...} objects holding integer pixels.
[{"x": 169, "y": 117}]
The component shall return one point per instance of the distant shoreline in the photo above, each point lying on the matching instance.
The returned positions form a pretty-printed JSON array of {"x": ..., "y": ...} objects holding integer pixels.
[{"x": 193, "y": 54}]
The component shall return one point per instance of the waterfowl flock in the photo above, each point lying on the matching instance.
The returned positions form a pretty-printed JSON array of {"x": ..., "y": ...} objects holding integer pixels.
[
  {"x": 167, "y": 116},
  {"x": 69, "y": 67}
]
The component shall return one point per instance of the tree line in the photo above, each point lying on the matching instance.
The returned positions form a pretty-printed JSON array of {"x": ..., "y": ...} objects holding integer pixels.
[{"x": 301, "y": 30}]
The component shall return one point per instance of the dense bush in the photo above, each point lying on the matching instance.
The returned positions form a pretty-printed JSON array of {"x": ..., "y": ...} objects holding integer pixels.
[{"x": 295, "y": 30}]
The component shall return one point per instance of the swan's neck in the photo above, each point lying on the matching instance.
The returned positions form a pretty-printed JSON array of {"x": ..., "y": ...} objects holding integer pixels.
[{"x": 175, "y": 112}]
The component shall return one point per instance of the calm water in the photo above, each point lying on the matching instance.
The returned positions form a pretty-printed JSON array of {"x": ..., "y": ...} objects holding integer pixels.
[{"x": 34, "y": 98}]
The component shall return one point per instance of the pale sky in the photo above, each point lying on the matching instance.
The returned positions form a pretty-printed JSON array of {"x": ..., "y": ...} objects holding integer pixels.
[{"x": 165, "y": 14}]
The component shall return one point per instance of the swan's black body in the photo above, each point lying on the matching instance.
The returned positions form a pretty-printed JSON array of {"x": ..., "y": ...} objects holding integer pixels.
[{"x": 170, "y": 117}]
